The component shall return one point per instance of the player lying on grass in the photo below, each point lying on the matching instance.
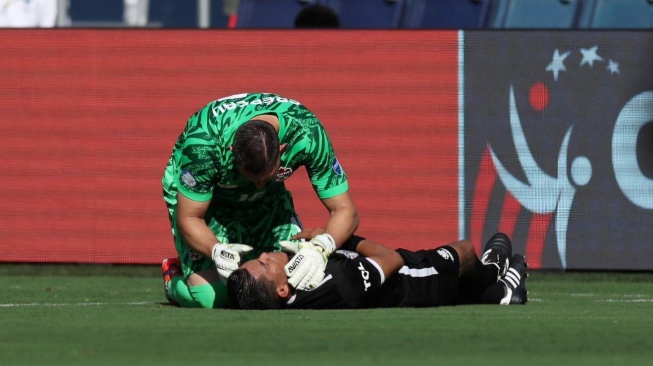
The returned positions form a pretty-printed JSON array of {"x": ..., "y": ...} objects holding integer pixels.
[{"x": 365, "y": 274}]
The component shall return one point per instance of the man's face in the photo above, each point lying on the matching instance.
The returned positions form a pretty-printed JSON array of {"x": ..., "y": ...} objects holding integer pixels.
[{"x": 270, "y": 266}]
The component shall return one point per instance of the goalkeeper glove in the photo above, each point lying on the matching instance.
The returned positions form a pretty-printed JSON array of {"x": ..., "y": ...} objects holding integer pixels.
[
  {"x": 306, "y": 269},
  {"x": 327, "y": 243},
  {"x": 227, "y": 258}
]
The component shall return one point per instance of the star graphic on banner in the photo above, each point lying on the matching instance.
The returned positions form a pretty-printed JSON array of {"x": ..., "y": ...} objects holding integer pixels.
[
  {"x": 589, "y": 56},
  {"x": 557, "y": 64},
  {"x": 613, "y": 67}
]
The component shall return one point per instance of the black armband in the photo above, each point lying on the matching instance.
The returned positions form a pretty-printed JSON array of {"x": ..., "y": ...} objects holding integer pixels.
[{"x": 352, "y": 243}]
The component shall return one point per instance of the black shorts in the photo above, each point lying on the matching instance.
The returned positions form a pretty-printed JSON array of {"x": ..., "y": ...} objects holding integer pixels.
[{"x": 428, "y": 278}]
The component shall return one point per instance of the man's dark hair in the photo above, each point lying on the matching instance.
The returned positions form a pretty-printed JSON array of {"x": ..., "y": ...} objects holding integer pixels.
[
  {"x": 248, "y": 293},
  {"x": 256, "y": 147},
  {"x": 317, "y": 16}
]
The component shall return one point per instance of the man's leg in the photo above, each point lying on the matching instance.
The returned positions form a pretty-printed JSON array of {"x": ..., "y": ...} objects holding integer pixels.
[
  {"x": 170, "y": 268},
  {"x": 195, "y": 287},
  {"x": 515, "y": 282},
  {"x": 183, "y": 287},
  {"x": 210, "y": 295},
  {"x": 179, "y": 282},
  {"x": 484, "y": 272},
  {"x": 497, "y": 254},
  {"x": 495, "y": 279},
  {"x": 479, "y": 279}
]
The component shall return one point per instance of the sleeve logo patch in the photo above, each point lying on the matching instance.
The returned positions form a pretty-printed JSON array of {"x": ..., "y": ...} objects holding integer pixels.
[
  {"x": 336, "y": 167},
  {"x": 187, "y": 179}
]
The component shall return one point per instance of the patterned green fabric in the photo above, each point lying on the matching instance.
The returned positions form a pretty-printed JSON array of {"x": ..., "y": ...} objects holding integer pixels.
[{"x": 201, "y": 168}]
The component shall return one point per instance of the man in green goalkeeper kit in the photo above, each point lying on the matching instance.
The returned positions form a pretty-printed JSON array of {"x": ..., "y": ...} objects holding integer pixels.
[{"x": 224, "y": 185}]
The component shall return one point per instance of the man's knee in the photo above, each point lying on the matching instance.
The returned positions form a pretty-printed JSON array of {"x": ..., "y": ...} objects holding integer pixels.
[
  {"x": 200, "y": 290},
  {"x": 466, "y": 256},
  {"x": 465, "y": 250},
  {"x": 210, "y": 296}
]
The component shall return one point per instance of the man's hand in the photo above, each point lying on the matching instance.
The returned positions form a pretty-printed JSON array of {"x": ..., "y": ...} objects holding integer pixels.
[
  {"x": 306, "y": 269},
  {"x": 327, "y": 243},
  {"x": 308, "y": 233},
  {"x": 227, "y": 258}
]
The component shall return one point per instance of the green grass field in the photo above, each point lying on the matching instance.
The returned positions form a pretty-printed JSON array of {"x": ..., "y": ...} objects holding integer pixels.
[{"x": 114, "y": 315}]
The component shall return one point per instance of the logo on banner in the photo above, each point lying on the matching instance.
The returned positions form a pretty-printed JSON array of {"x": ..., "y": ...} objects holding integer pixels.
[{"x": 546, "y": 188}]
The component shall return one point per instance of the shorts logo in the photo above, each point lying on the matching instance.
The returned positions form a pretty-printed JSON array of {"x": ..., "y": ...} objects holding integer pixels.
[
  {"x": 348, "y": 254},
  {"x": 283, "y": 174},
  {"x": 445, "y": 254},
  {"x": 366, "y": 276},
  {"x": 194, "y": 256},
  {"x": 187, "y": 179},
  {"x": 336, "y": 167}
]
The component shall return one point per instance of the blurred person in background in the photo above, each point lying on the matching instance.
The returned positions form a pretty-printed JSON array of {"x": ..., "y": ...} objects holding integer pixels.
[
  {"x": 317, "y": 16},
  {"x": 227, "y": 201},
  {"x": 28, "y": 13}
]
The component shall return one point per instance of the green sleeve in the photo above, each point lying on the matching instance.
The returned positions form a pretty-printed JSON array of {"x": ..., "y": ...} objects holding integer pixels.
[
  {"x": 197, "y": 156},
  {"x": 327, "y": 175}
]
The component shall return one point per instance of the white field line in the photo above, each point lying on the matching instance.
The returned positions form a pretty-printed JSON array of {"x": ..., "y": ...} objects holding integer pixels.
[
  {"x": 626, "y": 298},
  {"x": 64, "y": 304},
  {"x": 616, "y": 295}
]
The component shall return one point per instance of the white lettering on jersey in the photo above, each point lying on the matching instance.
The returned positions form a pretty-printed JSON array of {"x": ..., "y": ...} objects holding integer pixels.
[
  {"x": 267, "y": 100},
  {"x": 366, "y": 276}
]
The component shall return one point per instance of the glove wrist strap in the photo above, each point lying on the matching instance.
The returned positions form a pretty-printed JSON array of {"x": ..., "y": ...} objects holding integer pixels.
[
  {"x": 215, "y": 251},
  {"x": 326, "y": 241}
]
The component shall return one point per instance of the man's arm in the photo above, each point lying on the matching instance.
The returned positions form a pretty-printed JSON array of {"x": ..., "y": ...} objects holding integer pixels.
[
  {"x": 192, "y": 227},
  {"x": 343, "y": 220},
  {"x": 389, "y": 260},
  {"x": 195, "y": 232}
]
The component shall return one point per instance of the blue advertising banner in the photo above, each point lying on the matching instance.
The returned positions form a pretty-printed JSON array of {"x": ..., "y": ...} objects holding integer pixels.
[{"x": 557, "y": 142}]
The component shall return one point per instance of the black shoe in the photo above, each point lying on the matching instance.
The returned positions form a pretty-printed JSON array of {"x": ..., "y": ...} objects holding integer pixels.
[
  {"x": 515, "y": 281},
  {"x": 497, "y": 252}
]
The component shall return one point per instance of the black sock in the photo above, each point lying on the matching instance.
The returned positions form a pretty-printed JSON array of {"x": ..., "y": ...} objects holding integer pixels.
[
  {"x": 484, "y": 275},
  {"x": 482, "y": 286}
]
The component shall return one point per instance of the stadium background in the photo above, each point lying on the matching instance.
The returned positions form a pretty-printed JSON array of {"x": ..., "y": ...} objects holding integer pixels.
[{"x": 90, "y": 115}]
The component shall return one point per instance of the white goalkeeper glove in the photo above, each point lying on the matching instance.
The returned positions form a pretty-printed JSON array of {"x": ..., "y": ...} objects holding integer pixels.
[
  {"x": 227, "y": 258},
  {"x": 306, "y": 269},
  {"x": 327, "y": 243}
]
